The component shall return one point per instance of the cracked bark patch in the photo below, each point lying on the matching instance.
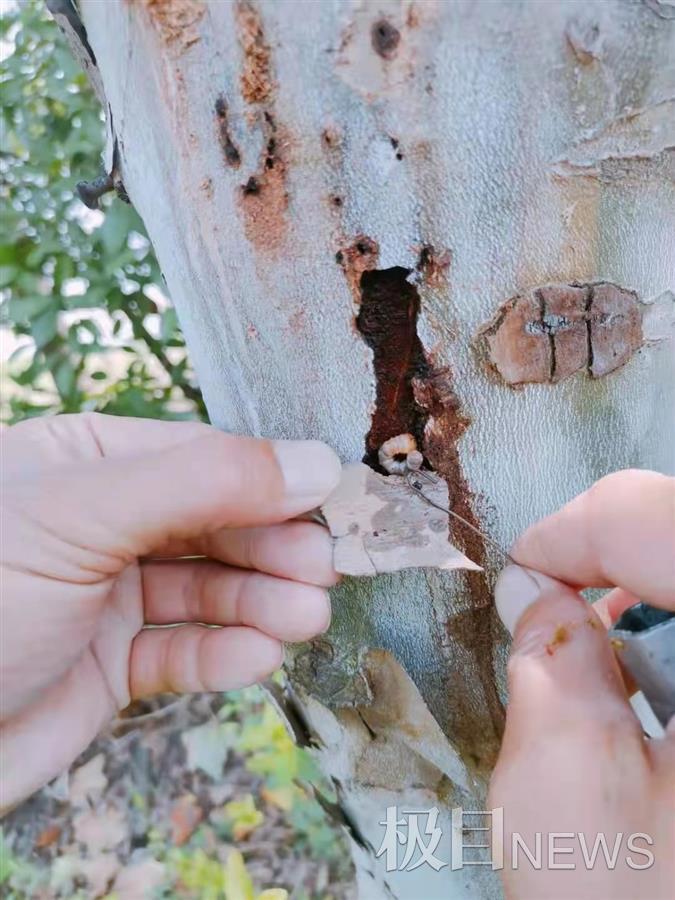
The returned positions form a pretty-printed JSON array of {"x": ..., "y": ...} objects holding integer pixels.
[{"x": 553, "y": 331}]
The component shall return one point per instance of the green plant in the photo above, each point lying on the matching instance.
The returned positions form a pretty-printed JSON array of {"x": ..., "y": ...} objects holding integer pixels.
[
  {"x": 19, "y": 880},
  {"x": 87, "y": 324},
  {"x": 270, "y": 752},
  {"x": 290, "y": 773},
  {"x": 242, "y": 817},
  {"x": 209, "y": 879}
]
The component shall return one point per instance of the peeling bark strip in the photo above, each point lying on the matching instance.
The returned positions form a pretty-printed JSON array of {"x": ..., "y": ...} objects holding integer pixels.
[
  {"x": 387, "y": 320},
  {"x": 398, "y": 711},
  {"x": 230, "y": 151},
  {"x": 556, "y": 330},
  {"x": 256, "y": 81},
  {"x": 380, "y": 525}
]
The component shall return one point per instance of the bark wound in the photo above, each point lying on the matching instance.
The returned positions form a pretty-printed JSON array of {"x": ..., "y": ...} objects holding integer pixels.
[
  {"x": 385, "y": 38},
  {"x": 231, "y": 154},
  {"x": 475, "y": 731},
  {"x": 387, "y": 320},
  {"x": 433, "y": 265},
  {"x": 553, "y": 331},
  {"x": 413, "y": 395},
  {"x": 583, "y": 36},
  {"x": 263, "y": 197},
  {"x": 256, "y": 81},
  {"x": 355, "y": 259},
  {"x": 176, "y": 20}
]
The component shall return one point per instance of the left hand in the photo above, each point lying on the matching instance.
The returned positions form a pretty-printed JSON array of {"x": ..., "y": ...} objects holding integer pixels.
[{"x": 96, "y": 512}]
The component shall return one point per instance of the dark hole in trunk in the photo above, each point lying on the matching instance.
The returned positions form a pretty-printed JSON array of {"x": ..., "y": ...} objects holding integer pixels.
[{"x": 387, "y": 320}]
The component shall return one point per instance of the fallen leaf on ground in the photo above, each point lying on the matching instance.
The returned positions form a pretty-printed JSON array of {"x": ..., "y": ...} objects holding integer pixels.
[
  {"x": 281, "y": 797},
  {"x": 88, "y": 782},
  {"x": 243, "y": 817},
  {"x": 98, "y": 871},
  {"x": 206, "y": 748},
  {"x": 47, "y": 836},
  {"x": 100, "y": 829},
  {"x": 140, "y": 880},
  {"x": 186, "y": 814},
  {"x": 238, "y": 883}
]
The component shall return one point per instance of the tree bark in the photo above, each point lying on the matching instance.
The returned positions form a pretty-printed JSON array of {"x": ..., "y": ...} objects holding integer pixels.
[{"x": 342, "y": 196}]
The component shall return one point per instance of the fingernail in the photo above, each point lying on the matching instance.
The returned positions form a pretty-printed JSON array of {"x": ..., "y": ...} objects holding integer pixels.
[
  {"x": 311, "y": 469},
  {"x": 516, "y": 589}
]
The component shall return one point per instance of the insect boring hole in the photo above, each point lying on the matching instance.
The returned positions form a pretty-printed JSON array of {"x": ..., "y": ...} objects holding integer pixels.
[{"x": 387, "y": 320}]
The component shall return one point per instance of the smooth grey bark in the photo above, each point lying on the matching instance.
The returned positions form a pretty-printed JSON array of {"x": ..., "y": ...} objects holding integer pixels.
[{"x": 278, "y": 150}]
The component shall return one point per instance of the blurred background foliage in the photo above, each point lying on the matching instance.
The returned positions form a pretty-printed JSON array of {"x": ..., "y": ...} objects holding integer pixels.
[
  {"x": 85, "y": 321},
  {"x": 85, "y": 324}
]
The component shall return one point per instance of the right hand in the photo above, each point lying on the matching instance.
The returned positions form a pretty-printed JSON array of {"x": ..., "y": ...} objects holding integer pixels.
[{"x": 574, "y": 757}]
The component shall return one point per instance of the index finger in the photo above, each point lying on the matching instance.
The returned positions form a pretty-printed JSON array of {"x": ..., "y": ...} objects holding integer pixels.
[
  {"x": 127, "y": 506},
  {"x": 619, "y": 533}
]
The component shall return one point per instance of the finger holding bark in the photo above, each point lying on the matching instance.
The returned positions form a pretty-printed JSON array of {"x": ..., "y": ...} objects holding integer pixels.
[{"x": 619, "y": 533}]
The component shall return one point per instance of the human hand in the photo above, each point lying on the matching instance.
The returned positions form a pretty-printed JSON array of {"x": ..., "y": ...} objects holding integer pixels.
[
  {"x": 95, "y": 511},
  {"x": 574, "y": 758}
]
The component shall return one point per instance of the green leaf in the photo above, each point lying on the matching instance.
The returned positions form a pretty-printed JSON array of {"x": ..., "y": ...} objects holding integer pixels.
[
  {"x": 115, "y": 228},
  {"x": 64, "y": 268},
  {"x": 44, "y": 328},
  {"x": 206, "y": 748},
  {"x": 65, "y": 377},
  {"x": 7, "y": 274},
  {"x": 238, "y": 883},
  {"x": 243, "y": 817},
  {"x": 53, "y": 136},
  {"x": 23, "y": 309}
]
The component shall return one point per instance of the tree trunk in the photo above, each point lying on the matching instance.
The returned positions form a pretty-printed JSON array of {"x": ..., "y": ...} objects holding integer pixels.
[{"x": 342, "y": 197}]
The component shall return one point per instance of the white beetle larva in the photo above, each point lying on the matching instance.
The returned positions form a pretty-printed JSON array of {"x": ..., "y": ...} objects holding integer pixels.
[
  {"x": 399, "y": 446},
  {"x": 414, "y": 460}
]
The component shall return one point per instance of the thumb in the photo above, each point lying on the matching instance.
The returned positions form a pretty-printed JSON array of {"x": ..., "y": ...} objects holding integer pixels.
[
  {"x": 128, "y": 506},
  {"x": 563, "y": 675}
]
